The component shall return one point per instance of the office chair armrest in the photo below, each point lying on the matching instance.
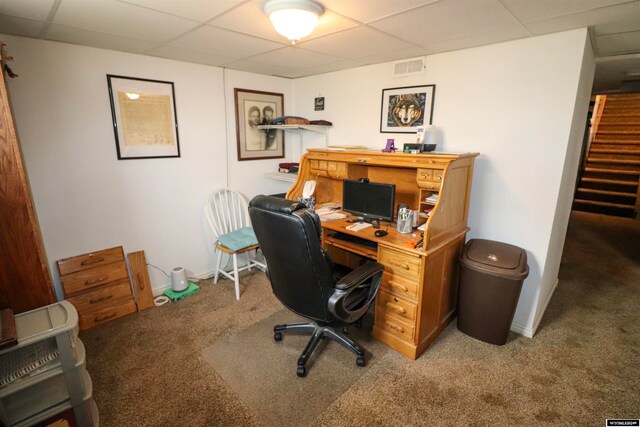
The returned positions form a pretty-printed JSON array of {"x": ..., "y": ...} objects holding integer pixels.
[
  {"x": 359, "y": 275},
  {"x": 349, "y": 284}
]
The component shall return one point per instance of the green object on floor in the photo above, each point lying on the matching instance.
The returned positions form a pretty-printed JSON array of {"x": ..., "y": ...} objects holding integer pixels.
[{"x": 177, "y": 296}]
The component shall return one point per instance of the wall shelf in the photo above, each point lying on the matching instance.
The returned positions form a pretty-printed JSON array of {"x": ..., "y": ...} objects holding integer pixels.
[{"x": 298, "y": 128}]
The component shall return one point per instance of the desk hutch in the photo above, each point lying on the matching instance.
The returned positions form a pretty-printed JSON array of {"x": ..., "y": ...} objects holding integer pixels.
[{"x": 417, "y": 299}]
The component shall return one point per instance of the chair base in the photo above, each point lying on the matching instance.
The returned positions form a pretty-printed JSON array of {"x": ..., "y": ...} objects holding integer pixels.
[{"x": 318, "y": 332}]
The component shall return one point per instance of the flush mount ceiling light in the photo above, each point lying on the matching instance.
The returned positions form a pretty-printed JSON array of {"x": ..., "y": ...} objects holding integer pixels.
[{"x": 294, "y": 19}]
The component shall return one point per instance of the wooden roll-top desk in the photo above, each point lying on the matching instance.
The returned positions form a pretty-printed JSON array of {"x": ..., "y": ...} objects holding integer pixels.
[{"x": 417, "y": 299}]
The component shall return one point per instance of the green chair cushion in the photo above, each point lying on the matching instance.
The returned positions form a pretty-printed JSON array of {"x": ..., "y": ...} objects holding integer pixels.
[{"x": 239, "y": 239}]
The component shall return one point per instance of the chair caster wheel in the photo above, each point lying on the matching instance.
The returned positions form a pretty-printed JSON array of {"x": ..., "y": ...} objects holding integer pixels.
[
  {"x": 360, "y": 361},
  {"x": 277, "y": 336},
  {"x": 302, "y": 371}
]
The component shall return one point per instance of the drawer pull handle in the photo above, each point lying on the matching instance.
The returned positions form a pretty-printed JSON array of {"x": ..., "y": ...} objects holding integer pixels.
[
  {"x": 396, "y": 327},
  {"x": 97, "y": 300},
  {"x": 92, "y": 261},
  {"x": 94, "y": 281},
  {"x": 399, "y": 264},
  {"x": 140, "y": 282},
  {"x": 103, "y": 318},
  {"x": 398, "y": 286},
  {"x": 396, "y": 308}
]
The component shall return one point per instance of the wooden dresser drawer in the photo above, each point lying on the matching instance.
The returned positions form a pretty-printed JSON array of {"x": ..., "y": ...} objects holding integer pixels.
[
  {"x": 107, "y": 314},
  {"x": 400, "y": 263},
  {"x": 400, "y": 285},
  {"x": 87, "y": 279},
  {"x": 90, "y": 260},
  {"x": 101, "y": 297},
  {"x": 395, "y": 326},
  {"x": 388, "y": 304}
]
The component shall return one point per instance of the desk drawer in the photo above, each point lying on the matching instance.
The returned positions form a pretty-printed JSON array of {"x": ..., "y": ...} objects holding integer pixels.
[
  {"x": 83, "y": 280},
  {"x": 395, "y": 326},
  {"x": 390, "y": 304},
  {"x": 400, "y": 263},
  {"x": 101, "y": 297},
  {"x": 90, "y": 260},
  {"x": 107, "y": 314},
  {"x": 400, "y": 285}
]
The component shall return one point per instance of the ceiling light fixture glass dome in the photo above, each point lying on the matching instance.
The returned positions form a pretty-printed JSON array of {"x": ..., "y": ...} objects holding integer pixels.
[{"x": 294, "y": 19}]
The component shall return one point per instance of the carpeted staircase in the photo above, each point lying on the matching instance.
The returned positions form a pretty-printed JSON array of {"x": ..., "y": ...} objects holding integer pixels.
[{"x": 611, "y": 168}]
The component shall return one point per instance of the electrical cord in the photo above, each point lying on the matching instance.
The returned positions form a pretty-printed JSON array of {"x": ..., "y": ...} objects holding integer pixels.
[{"x": 158, "y": 268}]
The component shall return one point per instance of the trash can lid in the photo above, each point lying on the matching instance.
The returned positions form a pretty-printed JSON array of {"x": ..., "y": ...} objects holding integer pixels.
[{"x": 496, "y": 258}]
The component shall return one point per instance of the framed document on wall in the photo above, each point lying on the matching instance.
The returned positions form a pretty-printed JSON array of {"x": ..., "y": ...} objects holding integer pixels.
[{"x": 144, "y": 117}]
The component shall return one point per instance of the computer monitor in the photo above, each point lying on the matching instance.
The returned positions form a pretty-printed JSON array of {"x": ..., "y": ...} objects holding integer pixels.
[{"x": 370, "y": 200}]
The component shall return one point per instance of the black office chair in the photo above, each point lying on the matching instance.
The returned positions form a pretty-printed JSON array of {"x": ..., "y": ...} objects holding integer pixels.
[{"x": 304, "y": 278}]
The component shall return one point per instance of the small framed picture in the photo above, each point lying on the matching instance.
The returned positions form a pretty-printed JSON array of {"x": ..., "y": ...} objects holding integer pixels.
[
  {"x": 254, "y": 111},
  {"x": 406, "y": 108},
  {"x": 144, "y": 118}
]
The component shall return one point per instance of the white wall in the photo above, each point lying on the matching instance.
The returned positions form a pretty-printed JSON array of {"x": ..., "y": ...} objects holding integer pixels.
[
  {"x": 86, "y": 199},
  {"x": 514, "y": 103}
]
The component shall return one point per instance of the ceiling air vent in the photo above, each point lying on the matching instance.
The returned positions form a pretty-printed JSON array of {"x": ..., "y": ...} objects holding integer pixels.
[{"x": 409, "y": 67}]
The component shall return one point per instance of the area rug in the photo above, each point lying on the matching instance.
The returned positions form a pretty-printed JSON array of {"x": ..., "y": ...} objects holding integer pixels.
[{"x": 263, "y": 372}]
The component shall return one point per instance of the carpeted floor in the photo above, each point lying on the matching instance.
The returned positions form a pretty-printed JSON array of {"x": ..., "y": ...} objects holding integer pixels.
[{"x": 581, "y": 367}]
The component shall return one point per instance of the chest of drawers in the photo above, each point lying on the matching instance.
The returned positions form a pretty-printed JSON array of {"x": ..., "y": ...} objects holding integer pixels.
[{"x": 98, "y": 285}]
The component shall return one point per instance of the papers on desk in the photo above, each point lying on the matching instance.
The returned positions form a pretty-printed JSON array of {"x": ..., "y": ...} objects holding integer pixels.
[
  {"x": 329, "y": 212},
  {"x": 358, "y": 226},
  {"x": 330, "y": 216}
]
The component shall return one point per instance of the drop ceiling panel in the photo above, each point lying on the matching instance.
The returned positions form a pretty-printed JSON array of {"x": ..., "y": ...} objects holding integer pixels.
[
  {"x": 370, "y": 10},
  {"x": 255, "y": 67},
  {"x": 196, "y": 10},
  {"x": 614, "y": 19},
  {"x": 121, "y": 19},
  {"x": 410, "y": 52},
  {"x": 34, "y": 10},
  {"x": 294, "y": 57},
  {"x": 618, "y": 44},
  {"x": 103, "y": 41},
  {"x": 19, "y": 26},
  {"x": 224, "y": 43},
  {"x": 531, "y": 11},
  {"x": 446, "y": 19},
  {"x": 479, "y": 39},
  {"x": 355, "y": 43},
  {"x": 187, "y": 55}
]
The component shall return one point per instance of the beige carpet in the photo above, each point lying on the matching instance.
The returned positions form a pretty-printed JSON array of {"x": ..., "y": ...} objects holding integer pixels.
[
  {"x": 263, "y": 372},
  {"x": 581, "y": 367}
]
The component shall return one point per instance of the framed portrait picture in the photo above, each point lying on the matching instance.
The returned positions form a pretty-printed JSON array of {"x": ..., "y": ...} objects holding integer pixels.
[
  {"x": 144, "y": 118},
  {"x": 406, "y": 108},
  {"x": 254, "y": 110}
]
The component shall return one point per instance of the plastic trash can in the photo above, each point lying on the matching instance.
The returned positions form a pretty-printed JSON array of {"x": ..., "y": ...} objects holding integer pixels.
[{"x": 491, "y": 276}]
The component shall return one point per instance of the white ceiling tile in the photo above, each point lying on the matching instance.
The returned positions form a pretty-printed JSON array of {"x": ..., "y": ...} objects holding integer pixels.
[
  {"x": 37, "y": 10},
  {"x": 256, "y": 67},
  {"x": 617, "y": 44},
  {"x": 294, "y": 57},
  {"x": 530, "y": 11},
  {"x": 370, "y": 10},
  {"x": 446, "y": 19},
  {"x": 354, "y": 43},
  {"x": 224, "y": 43},
  {"x": 197, "y": 10},
  {"x": 186, "y": 55},
  {"x": 91, "y": 38},
  {"x": 496, "y": 35},
  {"x": 20, "y": 27},
  {"x": 327, "y": 68},
  {"x": 121, "y": 19},
  {"x": 608, "y": 20},
  {"x": 250, "y": 19}
]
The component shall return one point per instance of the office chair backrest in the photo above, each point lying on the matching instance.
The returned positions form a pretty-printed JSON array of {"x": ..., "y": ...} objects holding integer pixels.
[{"x": 300, "y": 273}]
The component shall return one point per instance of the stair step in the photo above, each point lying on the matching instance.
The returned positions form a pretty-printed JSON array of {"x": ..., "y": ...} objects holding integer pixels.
[
  {"x": 610, "y": 181},
  {"x": 607, "y": 193},
  {"x": 614, "y": 151},
  {"x": 619, "y": 132},
  {"x": 613, "y": 161},
  {"x": 607, "y": 204},
  {"x": 616, "y": 141},
  {"x": 613, "y": 171}
]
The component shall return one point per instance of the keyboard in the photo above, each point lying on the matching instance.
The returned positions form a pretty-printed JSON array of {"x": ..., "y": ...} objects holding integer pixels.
[{"x": 354, "y": 239}]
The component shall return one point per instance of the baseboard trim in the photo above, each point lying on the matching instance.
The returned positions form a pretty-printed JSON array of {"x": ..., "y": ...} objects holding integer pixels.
[{"x": 529, "y": 332}]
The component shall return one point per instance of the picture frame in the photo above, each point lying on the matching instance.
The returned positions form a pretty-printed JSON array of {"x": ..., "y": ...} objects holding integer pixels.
[
  {"x": 404, "y": 109},
  {"x": 144, "y": 116},
  {"x": 254, "y": 110}
]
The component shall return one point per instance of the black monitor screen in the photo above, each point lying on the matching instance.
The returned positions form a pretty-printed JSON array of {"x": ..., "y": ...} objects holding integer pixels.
[{"x": 371, "y": 200}]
